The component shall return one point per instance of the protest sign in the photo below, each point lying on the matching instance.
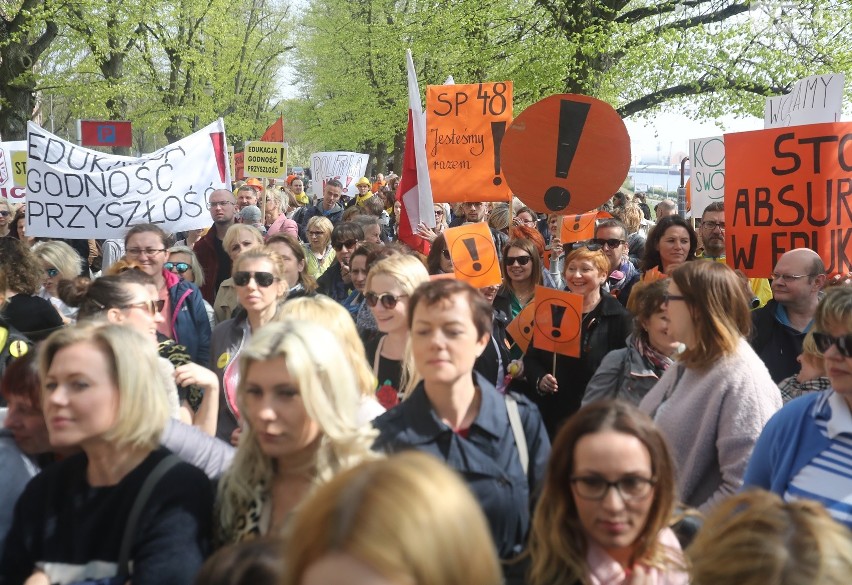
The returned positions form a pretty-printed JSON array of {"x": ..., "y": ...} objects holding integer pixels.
[
  {"x": 521, "y": 327},
  {"x": 13, "y": 169},
  {"x": 789, "y": 188},
  {"x": 566, "y": 154},
  {"x": 346, "y": 167},
  {"x": 465, "y": 125},
  {"x": 558, "y": 317},
  {"x": 239, "y": 166},
  {"x": 474, "y": 254},
  {"x": 813, "y": 100},
  {"x": 74, "y": 192},
  {"x": 707, "y": 163},
  {"x": 578, "y": 227},
  {"x": 265, "y": 159}
]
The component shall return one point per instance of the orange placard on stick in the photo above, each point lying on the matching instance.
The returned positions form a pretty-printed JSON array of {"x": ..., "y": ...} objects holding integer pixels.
[
  {"x": 465, "y": 125},
  {"x": 788, "y": 188},
  {"x": 521, "y": 327},
  {"x": 566, "y": 154},
  {"x": 558, "y": 318},
  {"x": 578, "y": 228},
  {"x": 474, "y": 254}
]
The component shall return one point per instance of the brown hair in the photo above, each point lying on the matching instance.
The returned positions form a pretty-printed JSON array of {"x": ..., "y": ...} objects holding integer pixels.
[
  {"x": 645, "y": 300},
  {"x": 307, "y": 281},
  {"x": 530, "y": 248},
  {"x": 437, "y": 291},
  {"x": 24, "y": 272},
  {"x": 146, "y": 228}
]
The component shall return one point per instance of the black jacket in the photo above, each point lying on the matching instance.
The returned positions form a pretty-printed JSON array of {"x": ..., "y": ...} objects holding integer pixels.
[{"x": 778, "y": 345}]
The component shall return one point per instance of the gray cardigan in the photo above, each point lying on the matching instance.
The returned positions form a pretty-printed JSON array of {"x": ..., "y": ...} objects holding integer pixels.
[
  {"x": 623, "y": 375},
  {"x": 712, "y": 419}
]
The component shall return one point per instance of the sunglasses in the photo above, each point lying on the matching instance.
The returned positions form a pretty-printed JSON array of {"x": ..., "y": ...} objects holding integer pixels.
[
  {"x": 590, "y": 244},
  {"x": 348, "y": 243},
  {"x": 181, "y": 267},
  {"x": 51, "y": 272},
  {"x": 611, "y": 242},
  {"x": 4, "y": 213},
  {"x": 824, "y": 341},
  {"x": 388, "y": 300},
  {"x": 446, "y": 254},
  {"x": 263, "y": 279},
  {"x": 153, "y": 307},
  {"x": 519, "y": 260}
]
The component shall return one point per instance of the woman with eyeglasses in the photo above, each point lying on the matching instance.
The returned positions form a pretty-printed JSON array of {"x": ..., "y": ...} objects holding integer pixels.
[
  {"x": 183, "y": 311},
  {"x": 390, "y": 284},
  {"x": 429, "y": 233},
  {"x": 184, "y": 262},
  {"x": 24, "y": 310},
  {"x": 439, "y": 260},
  {"x": 558, "y": 381},
  {"x": 6, "y": 216},
  {"x": 803, "y": 451},
  {"x": 671, "y": 243},
  {"x": 60, "y": 262},
  {"x": 260, "y": 281},
  {"x": 713, "y": 403},
  {"x": 320, "y": 254},
  {"x": 608, "y": 498},
  {"x": 238, "y": 239}
]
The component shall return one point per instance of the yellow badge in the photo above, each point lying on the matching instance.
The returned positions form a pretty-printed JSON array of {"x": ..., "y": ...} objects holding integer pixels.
[
  {"x": 18, "y": 348},
  {"x": 4, "y": 335},
  {"x": 223, "y": 360}
]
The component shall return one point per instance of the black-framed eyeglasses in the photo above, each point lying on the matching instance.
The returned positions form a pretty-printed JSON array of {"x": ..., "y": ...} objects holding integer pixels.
[
  {"x": 263, "y": 279},
  {"x": 630, "y": 487},
  {"x": 349, "y": 244},
  {"x": 388, "y": 300},
  {"x": 135, "y": 252},
  {"x": 153, "y": 307},
  {"x": 519, "y": 260},
  {"x": 611, "y": 243},
  {"x": 824, "y": 341},
  {"x": 51, "y": 272},
  {"x": 213, "y": 204},
  {"x": 712, "y": 225},
  {"x": 180, "y": 267},
  {"x": 667, "y": 297}
]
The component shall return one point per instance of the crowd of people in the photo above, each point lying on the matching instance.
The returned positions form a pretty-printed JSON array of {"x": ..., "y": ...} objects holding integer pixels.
[{"x": 291, "y": 395}]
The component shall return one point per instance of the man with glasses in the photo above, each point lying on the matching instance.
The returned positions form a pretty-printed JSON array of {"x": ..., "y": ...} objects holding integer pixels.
[
  {"x": 336, "y": 282},
  {"x": 712, "y": 232},
  {"x": 780, "y": 327},
  {"x": 329, "y": 207},
  {"x": 611, "y": 236},
  {"x": 209, "y": 250}
]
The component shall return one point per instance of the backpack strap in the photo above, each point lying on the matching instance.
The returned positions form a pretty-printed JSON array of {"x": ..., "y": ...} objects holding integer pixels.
[
  {"x": 138, "y": 506},
  {"x": 518, "y": 431}
]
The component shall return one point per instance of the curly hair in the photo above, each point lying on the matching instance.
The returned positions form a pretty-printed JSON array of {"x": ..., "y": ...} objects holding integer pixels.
[{"x": 22, "y": 268}]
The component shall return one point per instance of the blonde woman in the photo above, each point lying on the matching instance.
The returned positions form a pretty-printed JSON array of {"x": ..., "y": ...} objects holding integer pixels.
[
  {"x": 440, "y": 536},
  {"x": 238, "y": 239},
  {"x": 299, "y": 402},
  {"x": 319, "y": 251},
  {"x": 59, "y": 262},
  {"x": 390, "y": 284}
]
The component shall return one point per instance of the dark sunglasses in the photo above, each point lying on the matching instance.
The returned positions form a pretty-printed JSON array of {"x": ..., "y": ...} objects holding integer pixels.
[
  {"x": 263, "y": 279},
  {"x": 348, "y": 243},
  {"x": 153, "y": 307},
  {"x": 51, "y": 272},
  {"x": 4, "y": 213},
  {"x": 611, "y": 242},
  {"x": 445, "y": 253},
  {"x": 590, "y": 244},
  {"x": 181, "y": 267},
  {"x": 824, "y": 341},
  {"x": 520, "y": 260},
  {"x": 388, "y": 300}
]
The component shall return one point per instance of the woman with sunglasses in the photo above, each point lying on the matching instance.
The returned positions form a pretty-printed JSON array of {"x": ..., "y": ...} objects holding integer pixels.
[
  {"x": 803, "y": 451},
  {"x": 712, "y": 404},
  {"x": 607, "y": 502},
  {"x": 60, "y": 262},
  {"x": 183, "y": 262},
  {"x": 6, "y": 216},
  {"x": 261, "y": 286},
  {"x": 521, "y": 274},
  {"x": 390, "y": 284},
  {"x": 184, "y": 315},
  {"x": 439, "y": 260},
  {"x": 559, "y": 382},
  {"x": 238, "y": 239},
  {"x": 320, "y": 254}
]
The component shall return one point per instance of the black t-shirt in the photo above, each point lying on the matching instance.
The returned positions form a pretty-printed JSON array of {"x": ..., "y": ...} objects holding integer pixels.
[
  {"x": 388, "y": 375},
  {"x": 223, "y": 261}
]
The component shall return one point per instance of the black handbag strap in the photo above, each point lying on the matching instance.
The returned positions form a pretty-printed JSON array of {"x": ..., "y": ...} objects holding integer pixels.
[{"x": 139, "y": 503}]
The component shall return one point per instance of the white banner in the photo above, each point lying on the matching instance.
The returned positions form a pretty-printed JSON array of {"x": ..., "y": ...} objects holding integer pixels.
[
  {"x": 74, "y": 192},
  {"x": 346, "y": 167},
  {"x": 813, "y": 100},
  {"x": 707, "y": 172},
  {"x": 13, "y": 162}
]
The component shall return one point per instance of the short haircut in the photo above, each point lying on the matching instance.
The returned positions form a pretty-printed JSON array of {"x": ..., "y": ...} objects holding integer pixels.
[
  {"x": 441, "y": 536},
  {"x": 596, "y": 257},
  {"x": 366, "y": 221},
  {"x": 233, "y": 234},
  {"x": 715, "y": 207},
  {"x": 374, "y": 206},
  {"x": 348, "y": 230},
  {"x": 644, "y": 302},
  {"x": 59, "y": 255},
  {"x": 318, "y": 223},
  {"x": 499, "y": 217},
  {"x": 435, "y": 292},
  {"x": 332, "y": 183},
  {"x": 20, "y": 266},
  {"x": 144, "y": 228},
  {"x": 612, "y": 223},
  {"x": 834, "y": 309},
  {"x": 143, "y": 406},
  {"x": 21, "y": 380},
  {"x": 665, "y": 204},
  {"x": 197, "y": 269}
]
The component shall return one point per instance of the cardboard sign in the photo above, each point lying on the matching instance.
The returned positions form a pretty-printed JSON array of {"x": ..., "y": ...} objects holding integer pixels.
[
  {"x": 707, "y": 163},
  {"x": 239, "y": 166},
  {"x": 13, "y": 169},
  {"x": 558, "y": 319},
  {"x": 465, "y": 125},
  {"x": 567, "y": 153},
  {"x": 74, "y": 192},
  {"x": 578, "y": 228},
  {"x": 789, "y": 188},
  {"x": 813, "y": 100},
  {"x": 346, "y": 167},
  {"x": 265, "y": 159},
  {"x": 474, "y": 254},
  {"x": 521, "y": 327}
]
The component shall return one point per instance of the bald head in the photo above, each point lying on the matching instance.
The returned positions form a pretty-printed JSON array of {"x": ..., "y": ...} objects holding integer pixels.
[
  {"x": 798, "y": 278},
  {"x": 222, "y": 205},
  {"x": 804, "y": 257}
]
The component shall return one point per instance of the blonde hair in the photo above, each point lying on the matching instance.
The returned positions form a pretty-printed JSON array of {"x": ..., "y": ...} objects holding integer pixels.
[
  {"x": 328, "y": 392},
  {"x": 321, "y": 224},
  {"x": 233, "y": 234},
  {"x": 755, "y": 538},
  {"x": 59, "y": 255},
  {"x": 409, "y": 272},
  {"x": 439, "y": 534},
  {"x": 330, "y": 314},
  {"x": 499, "y": 217},
  {"x": 194, "y": 264},
  {"x": 143, "y": 406},
  {"x": 835, "y": 308}
]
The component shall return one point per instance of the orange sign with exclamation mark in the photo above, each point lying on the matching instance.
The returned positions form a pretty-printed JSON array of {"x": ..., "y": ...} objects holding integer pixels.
[{"x": 474, "y": 255}]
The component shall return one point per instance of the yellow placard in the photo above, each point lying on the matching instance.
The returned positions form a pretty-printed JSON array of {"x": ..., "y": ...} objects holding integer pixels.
[
  {"x": 19, "y": 168},
  {"x": 265, "y": 159}
]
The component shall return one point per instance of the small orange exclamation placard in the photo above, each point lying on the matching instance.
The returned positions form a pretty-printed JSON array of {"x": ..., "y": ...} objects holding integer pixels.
[{"x": 474, "y": 255}]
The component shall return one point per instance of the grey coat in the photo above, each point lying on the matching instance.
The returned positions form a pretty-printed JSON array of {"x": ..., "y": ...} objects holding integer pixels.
[{"x": 623, "y": 375}]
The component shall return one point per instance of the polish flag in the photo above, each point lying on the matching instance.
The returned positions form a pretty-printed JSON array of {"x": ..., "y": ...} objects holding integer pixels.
[{"x": 415, "y": 186}]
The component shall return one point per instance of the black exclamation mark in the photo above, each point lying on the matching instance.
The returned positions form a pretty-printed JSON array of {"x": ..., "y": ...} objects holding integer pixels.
[
  {"x": 470, "y": 244},
  {"x": 572, "y": 118},
  {"x": 281, "y": 157},
  {"x": 577, "y": 219},
  {"x": 557, "y": 312},
  {"x": 498, "y": 129}
]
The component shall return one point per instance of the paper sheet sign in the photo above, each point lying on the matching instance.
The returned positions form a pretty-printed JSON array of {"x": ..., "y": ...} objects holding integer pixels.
[
  {"x": 521, "y": 327},
  {"x": 707, "y": 167},
  {"x": 567, "y": 154},
  {"x": 465, "y": 125},
  {"x": 558, "y": 318},
  {"x": 789, "y": 188},
  {"x": 474, "y": 255}
]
